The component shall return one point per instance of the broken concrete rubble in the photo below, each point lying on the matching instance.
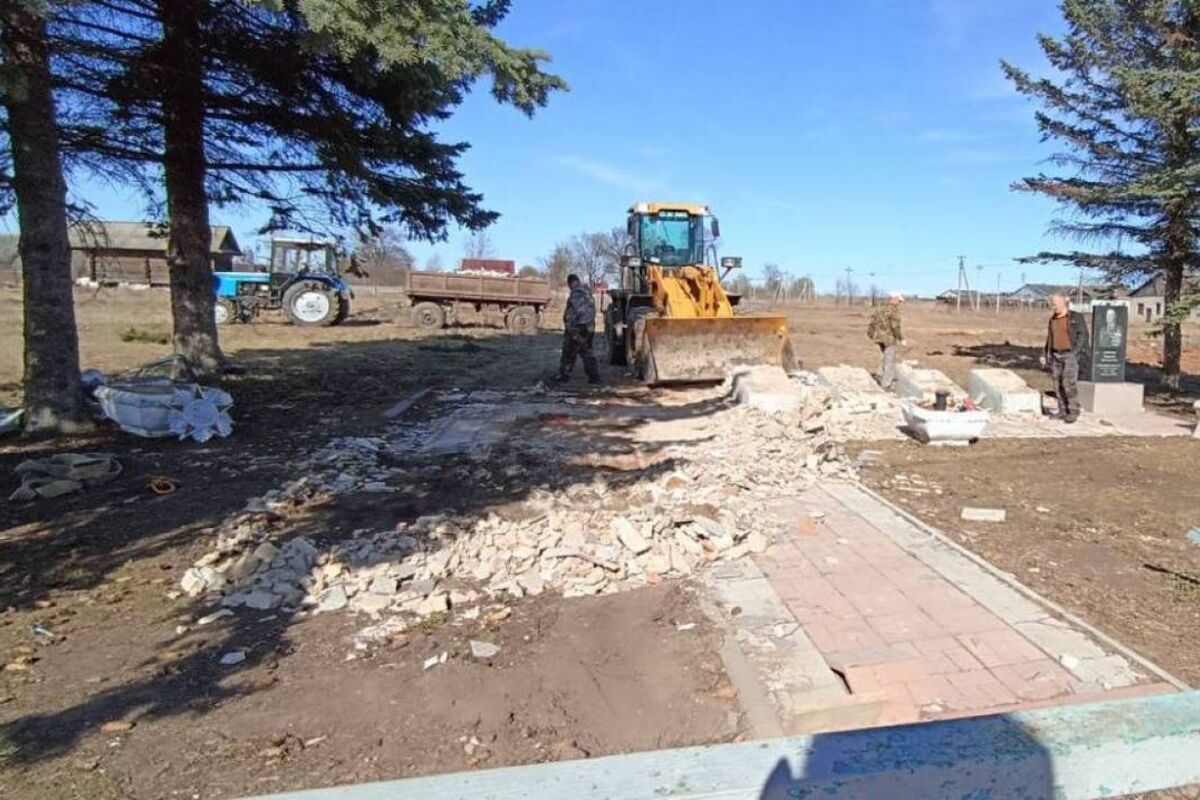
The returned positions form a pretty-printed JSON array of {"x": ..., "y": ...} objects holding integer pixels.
[{"x": 595, "y": 536}]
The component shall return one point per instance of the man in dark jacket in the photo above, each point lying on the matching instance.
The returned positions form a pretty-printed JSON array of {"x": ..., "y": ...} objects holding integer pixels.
[
  {"x": 1066, "y": 337},
  {"x": 579, "y": 327}
]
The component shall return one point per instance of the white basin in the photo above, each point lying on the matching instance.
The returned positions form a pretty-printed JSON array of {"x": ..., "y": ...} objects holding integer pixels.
[{"x": 944, "y": 427}]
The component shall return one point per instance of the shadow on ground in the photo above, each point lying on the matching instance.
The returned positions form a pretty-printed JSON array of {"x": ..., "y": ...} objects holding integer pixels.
[{"x": 288, "y": 402}]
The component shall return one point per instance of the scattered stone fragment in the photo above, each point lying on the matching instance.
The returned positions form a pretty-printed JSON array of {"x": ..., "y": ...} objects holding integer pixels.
[
  {"x": 233, "y": 658},
  {"x": 629, "y": 536},
  {"x": 483, "y": 649},
  {"x": 384, "y": 585},
  {"x": 970, "y": 514},
  {"x": 118, "y": 726},
  {"x": 261, "y": 601},
  {"x": 434, "y": 604},
  {"x": 335, "y": 600},
  {"x": 208, "y": 619}
]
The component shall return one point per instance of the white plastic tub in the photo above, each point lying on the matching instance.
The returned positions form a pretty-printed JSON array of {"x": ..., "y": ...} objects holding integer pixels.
[
  {"x": 944, "y": 427},
  {"x": 143, "y": 409}
]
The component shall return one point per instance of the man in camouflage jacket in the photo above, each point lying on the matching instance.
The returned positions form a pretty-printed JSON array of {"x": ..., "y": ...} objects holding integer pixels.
[
  {"x": 884, "y": 330},
  {"x": 579, "y": 328}
]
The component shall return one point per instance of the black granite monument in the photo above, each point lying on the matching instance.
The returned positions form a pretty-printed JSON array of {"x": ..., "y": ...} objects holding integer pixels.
[{"x": 1110, "y": 334}]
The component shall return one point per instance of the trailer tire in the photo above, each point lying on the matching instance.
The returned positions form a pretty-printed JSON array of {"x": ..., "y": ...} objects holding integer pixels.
[
  {"x": 522, "y": 320},
  {"x": 225, "y": 311},
  {"x": 429, "y": 316}
]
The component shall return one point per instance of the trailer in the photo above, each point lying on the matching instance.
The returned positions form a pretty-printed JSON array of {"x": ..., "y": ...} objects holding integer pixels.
[{"x": 436, "y": 297}]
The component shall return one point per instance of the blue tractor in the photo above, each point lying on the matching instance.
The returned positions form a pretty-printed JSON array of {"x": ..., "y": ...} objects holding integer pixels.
[{"x": 303, "y": 280}]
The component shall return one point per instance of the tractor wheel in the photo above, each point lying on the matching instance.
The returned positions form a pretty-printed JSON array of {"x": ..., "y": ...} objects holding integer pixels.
[
  {"x": 429, "y": 316},
  {"x": 225, "y": 311},
  {"x": 343, "y": 311},
  {"x": 522, "y": 320},
  {"x": 311, "y": 303}
]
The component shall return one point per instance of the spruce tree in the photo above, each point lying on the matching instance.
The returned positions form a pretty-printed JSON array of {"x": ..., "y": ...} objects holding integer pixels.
[
  {"x": 32, "y": 181},
  {"x": 1124, "y": 105},
  {"x": 319, "y": 110}
]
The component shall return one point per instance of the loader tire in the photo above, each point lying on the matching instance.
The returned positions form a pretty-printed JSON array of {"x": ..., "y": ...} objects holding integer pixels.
[
  {"x": 311, "y": 304},
  {"x": 616, "y": 347}
]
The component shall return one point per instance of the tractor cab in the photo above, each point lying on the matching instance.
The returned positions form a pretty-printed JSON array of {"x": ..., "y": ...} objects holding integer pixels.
[
  {"x": 304, "y": 256},
  {"x": 303, "y": 279}
]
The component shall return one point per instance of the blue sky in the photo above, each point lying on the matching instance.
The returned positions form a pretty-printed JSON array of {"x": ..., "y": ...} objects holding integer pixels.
[{"x": 874, "y": 134}]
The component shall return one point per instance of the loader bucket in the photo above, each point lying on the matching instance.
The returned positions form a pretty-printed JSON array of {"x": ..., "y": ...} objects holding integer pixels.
[{"x": 695, "y": 350}]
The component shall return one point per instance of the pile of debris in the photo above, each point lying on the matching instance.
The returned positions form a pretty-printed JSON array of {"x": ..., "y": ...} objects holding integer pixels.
[{"x": 589, "y": 538}]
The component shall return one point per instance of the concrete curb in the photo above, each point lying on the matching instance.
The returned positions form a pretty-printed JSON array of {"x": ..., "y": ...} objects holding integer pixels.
[{"x": 1070, "y": 752}]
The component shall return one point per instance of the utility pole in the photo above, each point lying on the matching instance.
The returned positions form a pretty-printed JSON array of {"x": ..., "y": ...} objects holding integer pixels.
[
  {"x": 997, "y": 291},
  {"x": 849, "y": 288},
  {"x": 1080, "y": 300},
  {"x": 962, "y": 281},
  {"x": 978, "y": 286}
]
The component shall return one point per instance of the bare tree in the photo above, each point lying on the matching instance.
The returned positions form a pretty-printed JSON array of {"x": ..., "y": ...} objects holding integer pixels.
[
  {"x": 434, "y": 264},
  {"x": 558, "y": 264},
  {"x": 773, "y": 279},
  {"x": 802, "y": 289},
  {"x": 595, "y": 258},
  {"x": 478, "y": 245},
  {"x": 738, "y": 284},
  {"x": 384, "y": 256},
  {"x": 529, "y": 271}
]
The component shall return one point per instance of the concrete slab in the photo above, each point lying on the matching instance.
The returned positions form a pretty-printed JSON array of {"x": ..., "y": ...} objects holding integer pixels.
[
  {"x": 768, "y": 389},
  {"x": 1112, "y": 399},
  {"x": 922, "y": 384},
  {"x": 1004, "y": 392},
  {"x": 856, "y": 390}
]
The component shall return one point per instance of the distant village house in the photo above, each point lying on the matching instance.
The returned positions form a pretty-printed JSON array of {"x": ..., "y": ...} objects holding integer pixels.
[{"x": 134, "y": 252}]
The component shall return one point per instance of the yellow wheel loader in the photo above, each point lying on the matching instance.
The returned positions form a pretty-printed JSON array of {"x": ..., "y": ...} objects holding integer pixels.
[{"x": 670, "y": 319}]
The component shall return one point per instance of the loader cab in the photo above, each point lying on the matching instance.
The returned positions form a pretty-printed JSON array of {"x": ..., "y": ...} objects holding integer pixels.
[{"x": 672, "y": 237}]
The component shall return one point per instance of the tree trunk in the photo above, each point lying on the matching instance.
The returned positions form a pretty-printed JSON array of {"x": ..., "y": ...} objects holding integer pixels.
[
  {"x": 1172, "y": 333},
  {"x": 185, "y": 168},
  {"x": 53, "y": 398}
]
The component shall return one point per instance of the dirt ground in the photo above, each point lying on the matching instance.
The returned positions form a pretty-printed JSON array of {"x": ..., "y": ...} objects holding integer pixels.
[{"x": 89, "y": 635}]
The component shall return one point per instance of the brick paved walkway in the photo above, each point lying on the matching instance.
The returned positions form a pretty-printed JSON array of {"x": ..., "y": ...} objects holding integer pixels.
[{"x": 907, "y": 618}]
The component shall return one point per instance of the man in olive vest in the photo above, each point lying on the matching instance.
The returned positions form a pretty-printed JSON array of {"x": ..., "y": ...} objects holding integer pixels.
[{"x": 884, "y": 330}]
